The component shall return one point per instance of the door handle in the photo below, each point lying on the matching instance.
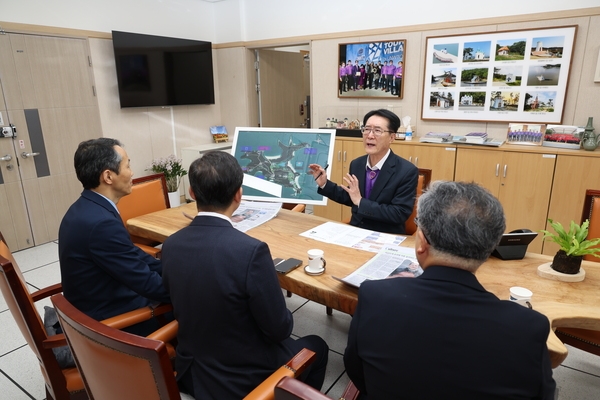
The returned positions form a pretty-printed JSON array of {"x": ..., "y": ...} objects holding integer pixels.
[
  {"x": 27, "y": 155},
  {"x": 505, "y": 168},
  {"x": 7, "y": 157}
]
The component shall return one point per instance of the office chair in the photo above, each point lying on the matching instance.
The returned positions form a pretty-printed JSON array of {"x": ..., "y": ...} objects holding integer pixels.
[
  {"x": 422, "y": 185},
  {"x": 294, "y": 207},
  {"x": 61, "y": 383},
  {"x": 293, "y": 389},
  {"x": 119, "y": 365},
  {"x": 586, "y": 339},
  {"x": 149, "y": 194}
]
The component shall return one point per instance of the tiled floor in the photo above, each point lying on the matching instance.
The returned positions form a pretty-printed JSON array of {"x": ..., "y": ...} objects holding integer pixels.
[{"x": 20, "y": 378}]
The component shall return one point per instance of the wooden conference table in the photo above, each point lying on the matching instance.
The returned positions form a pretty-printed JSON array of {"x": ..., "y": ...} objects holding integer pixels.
[{"x": 565, "y": 304}]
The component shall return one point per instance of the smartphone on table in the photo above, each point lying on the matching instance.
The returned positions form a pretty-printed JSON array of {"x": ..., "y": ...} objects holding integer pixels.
[{"x": 285, "y": 266}]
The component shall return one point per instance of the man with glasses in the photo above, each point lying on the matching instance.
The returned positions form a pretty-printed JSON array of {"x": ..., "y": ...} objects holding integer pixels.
[
  {"x": 442, "y": 335},
  {"x": 380, "y": 186}
]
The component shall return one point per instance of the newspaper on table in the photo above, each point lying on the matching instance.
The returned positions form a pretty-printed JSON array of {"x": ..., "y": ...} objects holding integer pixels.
[
  {"x": 389, "y": 262},
  {"x": 351, "y": 236},
  {"x": 251, "y": 214}
]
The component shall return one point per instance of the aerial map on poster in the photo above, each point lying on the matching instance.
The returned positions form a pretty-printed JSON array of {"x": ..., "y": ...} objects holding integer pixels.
[{"x": 275, "y": 162}]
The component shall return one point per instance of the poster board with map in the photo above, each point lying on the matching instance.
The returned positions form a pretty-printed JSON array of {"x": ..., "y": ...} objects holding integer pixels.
[{"x": 275, "y": 162}]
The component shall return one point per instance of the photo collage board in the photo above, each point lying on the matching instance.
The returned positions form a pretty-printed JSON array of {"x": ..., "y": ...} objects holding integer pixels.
[{"x": 513, "y": 76}]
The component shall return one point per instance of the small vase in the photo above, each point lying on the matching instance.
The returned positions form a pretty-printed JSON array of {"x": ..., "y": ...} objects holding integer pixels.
[
  {"x": 590, "y": 141},
  {"x": 175, "y": 199},
  {"x": 566, "y": 264}
]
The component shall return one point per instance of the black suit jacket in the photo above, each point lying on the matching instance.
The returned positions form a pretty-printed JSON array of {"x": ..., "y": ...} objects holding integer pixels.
[
  {"x": 103, "y": 273},
  {"x": 391, "y": 200},
  {"x": 443, "y": 336},
  {"x": 232, "y": 316}
]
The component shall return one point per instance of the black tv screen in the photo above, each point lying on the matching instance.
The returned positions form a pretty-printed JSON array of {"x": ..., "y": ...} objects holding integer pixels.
[{"x": 162, "y": 71}]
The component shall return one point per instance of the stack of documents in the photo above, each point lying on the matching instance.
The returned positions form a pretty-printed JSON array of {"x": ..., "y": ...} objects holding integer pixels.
[
  {"x": 476, "y": 137},
  {"x": 434, "y": 137},
  {"x": 390, "y": 262}
]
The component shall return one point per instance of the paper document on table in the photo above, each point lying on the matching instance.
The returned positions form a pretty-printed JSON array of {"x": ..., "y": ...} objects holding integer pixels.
[
  {"x": 390, "y": 262},
  {"x": 251, "y": 214},
  {"x": 351, "y": 236}
]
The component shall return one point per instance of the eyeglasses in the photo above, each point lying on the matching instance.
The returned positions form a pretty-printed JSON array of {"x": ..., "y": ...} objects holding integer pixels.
[
  {"x": 416, "y": 220},
  {"x": 375, "y": 131}
]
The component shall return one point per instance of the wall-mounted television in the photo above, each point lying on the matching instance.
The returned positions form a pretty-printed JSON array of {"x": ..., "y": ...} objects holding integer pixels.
[
  {"x": 275, "y": 162},
  {"x": 162, "y": 71}
]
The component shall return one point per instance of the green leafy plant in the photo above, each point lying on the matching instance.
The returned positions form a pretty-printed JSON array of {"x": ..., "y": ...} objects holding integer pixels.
[
  {"x": 172, "y": 168},
  {"x": 573, "y": 242}
]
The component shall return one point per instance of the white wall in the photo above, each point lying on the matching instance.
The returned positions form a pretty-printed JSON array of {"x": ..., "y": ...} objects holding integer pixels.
[
  {"x": 190, "y": 19},
  {"x": 266, "y": 19},
  {"x": 246, "y": 20}
]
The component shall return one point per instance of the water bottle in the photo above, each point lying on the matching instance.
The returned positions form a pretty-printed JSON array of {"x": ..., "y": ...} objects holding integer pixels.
[{"x": 408, "y": 133}]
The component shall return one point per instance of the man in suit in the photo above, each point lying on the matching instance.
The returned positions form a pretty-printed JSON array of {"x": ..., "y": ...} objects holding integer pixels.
[
  {"x": 380, "y": 187},
  {"x": 442, "y": 335},
  {"x": 103, "y": 273},
  {"x": 234, "y": 327}
]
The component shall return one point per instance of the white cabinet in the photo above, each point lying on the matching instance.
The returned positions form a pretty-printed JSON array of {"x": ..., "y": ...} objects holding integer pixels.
[{"x": 189, "y": 154}]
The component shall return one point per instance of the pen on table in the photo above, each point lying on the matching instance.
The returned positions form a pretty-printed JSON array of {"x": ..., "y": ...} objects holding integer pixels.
[{"x": 318, "y": 176}]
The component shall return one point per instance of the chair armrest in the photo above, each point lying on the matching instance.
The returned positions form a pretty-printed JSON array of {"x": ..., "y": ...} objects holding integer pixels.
[
  {"x": 46, "y": 292},
  {"x": 166, "y": 333},
  {"x": 136, "y": 316},
  {"x": 293, "y": 368},
  {"x": 55, "y": 341},
  {"x": 153, "y": 251},
  {"x": 298, "y": 389}
]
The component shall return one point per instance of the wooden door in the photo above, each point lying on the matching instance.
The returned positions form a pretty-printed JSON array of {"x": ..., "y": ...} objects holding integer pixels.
[
  {"x": 524, "y": 191},
  {"x": 281, "y": 88},
  {"x": 48, "y": 89}
]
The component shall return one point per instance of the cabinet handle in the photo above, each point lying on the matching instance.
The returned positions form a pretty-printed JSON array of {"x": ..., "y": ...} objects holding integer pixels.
[
  {"x": 340, "y": 155},
  {"x": 505, "y": 167},
  {"x": 345, "y": 155},
  {"x": 410, "y": 159},
  {"x": 497, "y": 169},
  {"x": 416, "y": 161}
]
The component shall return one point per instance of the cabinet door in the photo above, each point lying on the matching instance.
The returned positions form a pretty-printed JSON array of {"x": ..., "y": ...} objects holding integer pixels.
[
  {"x": 481, "y": 166},
  {"x": 526, "y": 182},
  {"x": 440, "y": 160},
  {"x": 333, "y": 210},
  {"x": 573, "y": 175},
  {"x": 352, "y": 149}
]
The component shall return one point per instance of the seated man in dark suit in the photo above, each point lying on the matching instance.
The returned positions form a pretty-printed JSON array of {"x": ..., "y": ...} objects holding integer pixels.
[
  {"x": 380, "y": 187},
  {"x": 103, "y": 273},
  {"x": 234, "y": 326},
  {"x": 442, "y": 335}
]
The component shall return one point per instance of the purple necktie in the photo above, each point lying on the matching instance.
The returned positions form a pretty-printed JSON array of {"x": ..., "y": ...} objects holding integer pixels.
[{"x": 370, "y": 180}]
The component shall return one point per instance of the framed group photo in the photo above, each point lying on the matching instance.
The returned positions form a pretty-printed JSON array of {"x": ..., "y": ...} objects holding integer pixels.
[
  {"x": 371, "y": 69},
  {"x": 517, "y": 76}
]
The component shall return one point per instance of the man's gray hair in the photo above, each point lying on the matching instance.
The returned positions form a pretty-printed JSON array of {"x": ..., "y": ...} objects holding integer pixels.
[{"x": 461, "y": 219}]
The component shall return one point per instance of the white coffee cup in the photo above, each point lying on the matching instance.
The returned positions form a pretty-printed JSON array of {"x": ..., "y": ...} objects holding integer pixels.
[
  {"x": 316, "y": 262},
  {"x": 521, "y": 296}
]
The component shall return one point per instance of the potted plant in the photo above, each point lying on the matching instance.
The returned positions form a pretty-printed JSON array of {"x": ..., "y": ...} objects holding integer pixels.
[
  {"x": 174, "y": 171},
  {"x": 573, "y": 246}
]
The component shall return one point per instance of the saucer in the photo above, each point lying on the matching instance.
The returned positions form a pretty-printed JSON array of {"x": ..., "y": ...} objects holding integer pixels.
[{"x": 313, "y": 273}]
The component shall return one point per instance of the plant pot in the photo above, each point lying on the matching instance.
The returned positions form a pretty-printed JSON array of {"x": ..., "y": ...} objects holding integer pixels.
[
  {"x": 566, "y": 264},
  {"x": 175, "y": 199}
]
